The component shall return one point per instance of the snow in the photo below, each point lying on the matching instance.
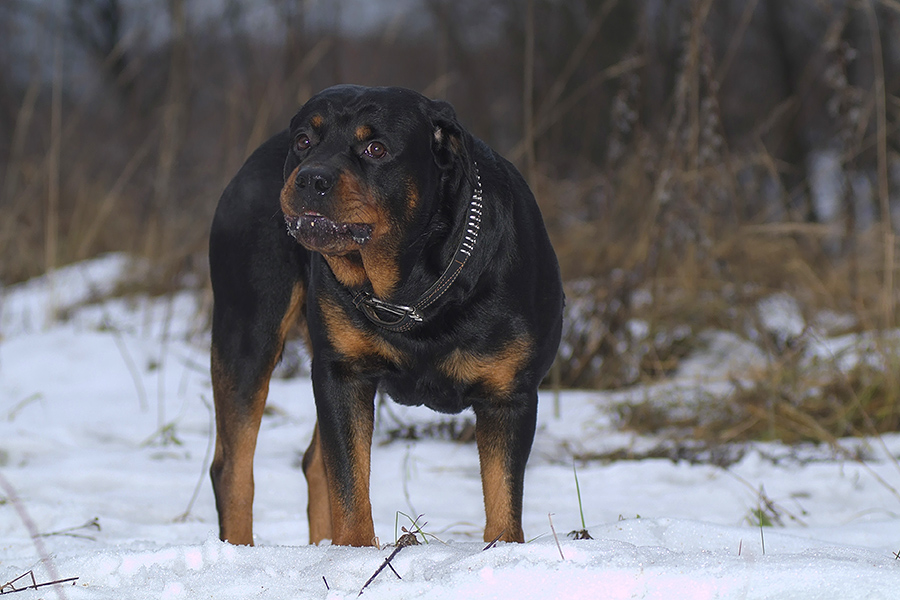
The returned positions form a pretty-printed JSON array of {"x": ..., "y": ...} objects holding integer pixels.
[{"x": 105, "y": 414}]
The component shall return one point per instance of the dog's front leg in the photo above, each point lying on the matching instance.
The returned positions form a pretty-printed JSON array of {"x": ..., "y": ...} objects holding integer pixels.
[
  {"x": 504, "y": 431},
  {"x": 345, "y": 405}
]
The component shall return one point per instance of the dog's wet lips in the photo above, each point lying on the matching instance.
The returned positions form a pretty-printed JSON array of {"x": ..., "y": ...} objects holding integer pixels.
[{"x": 318, "y": 231}]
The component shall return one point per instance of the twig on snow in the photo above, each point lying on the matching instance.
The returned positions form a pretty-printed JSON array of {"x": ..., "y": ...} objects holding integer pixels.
[
  {"x": 494, "y": 541},
  {"x": 407, "y": 539},
  {"x": 70, "y": 531},
  {"x": 10, "y": 586},
  {"x": 33, "y": 531}
]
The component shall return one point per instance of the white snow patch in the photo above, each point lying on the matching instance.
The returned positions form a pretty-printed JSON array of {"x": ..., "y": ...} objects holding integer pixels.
[{"x": 84, "y": 405}]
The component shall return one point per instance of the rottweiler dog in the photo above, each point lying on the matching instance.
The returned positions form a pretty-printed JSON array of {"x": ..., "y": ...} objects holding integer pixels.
[{"x": 416, "y": 261}]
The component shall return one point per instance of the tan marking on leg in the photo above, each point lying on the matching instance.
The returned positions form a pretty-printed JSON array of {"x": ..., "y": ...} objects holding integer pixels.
[
  {"x": 233, "y": 459},
  {"x": 236, "y": 434},
  {"x": 496, "y": 486},
  {"x": 352, "y": 521},
  {"x": 496, "y": 371},
  {"x": 319, "y": 507}
]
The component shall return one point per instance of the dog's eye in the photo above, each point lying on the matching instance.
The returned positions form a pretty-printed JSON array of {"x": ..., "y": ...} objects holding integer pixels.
[
  {"x": 376, "y": 150},
  {"x": 302, "y": 142}
]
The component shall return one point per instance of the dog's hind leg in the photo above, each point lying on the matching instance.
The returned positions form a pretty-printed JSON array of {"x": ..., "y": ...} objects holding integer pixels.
[
  {"x": 243, "y": 357},
  {"x": 319, "y": 509},
  {"x": 257, "y": 273}
]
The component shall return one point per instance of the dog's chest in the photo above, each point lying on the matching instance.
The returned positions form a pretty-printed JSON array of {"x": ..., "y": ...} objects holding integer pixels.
[
  {"x": 426, "y": 386},
  {"x": 453, "y": 378}
]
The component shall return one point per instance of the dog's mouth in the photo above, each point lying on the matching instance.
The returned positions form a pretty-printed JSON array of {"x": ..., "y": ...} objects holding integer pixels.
[{"x": 318, "y": 232}]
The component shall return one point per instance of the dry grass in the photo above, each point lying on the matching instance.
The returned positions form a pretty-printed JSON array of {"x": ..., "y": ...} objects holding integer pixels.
[
  {"x": 789, "y": 405},
  {"x": 673, "y": 235}
]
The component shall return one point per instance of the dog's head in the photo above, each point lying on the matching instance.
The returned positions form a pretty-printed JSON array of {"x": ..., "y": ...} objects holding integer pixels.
[{"x": 367, "y": 166}]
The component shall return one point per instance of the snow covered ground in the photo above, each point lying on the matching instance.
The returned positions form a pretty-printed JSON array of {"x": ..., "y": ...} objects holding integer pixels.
[{"x": 105, "y": 416}]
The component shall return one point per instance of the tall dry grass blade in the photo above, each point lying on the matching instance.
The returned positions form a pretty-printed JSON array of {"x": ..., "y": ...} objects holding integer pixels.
[
  {"x": 884, "y": 200},
  {"x": 110, "y": 200},
  {"x": 20, "y": 133},
  {"x": 576, "y": 57},
  {"x": 737, "y": 38},
  {"x": 528, "y": 97},
  {"x": 51, "y": 232},
  {"x": 544, "y": 122}
]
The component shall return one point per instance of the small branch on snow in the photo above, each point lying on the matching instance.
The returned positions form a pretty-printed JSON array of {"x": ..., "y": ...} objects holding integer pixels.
[
  {"x": 10, "y": 586},
  {"x": 407, "y": 539},
  {"x": 70, "y": 531},
  {"x": 494, "y": 541},
  {"x": 35, "y": 537}
]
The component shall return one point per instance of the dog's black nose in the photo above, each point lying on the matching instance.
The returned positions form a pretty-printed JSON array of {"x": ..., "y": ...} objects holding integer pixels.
[{"x": 315, "y": 179}]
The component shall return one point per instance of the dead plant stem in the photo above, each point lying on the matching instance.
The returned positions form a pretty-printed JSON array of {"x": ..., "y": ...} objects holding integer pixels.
[
  {"x": 528, "y": 97},
  {"x": 51, "y": 233},
  {"x": 882, "y": 166},
  {"x": 29, "y": 524}
]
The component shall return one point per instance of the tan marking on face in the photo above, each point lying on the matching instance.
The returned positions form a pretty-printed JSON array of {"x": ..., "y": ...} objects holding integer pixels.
[
  {"x": 317, "y": 121},
  {"x": 354, "y": 203},
  {"x": 363, "y": 132},
  {"x": 412, "y": 197},
  {"x": 378, "y": 255},
  {"x": 287, "y": 193},
  {"x": 352, "y": 342},
  {"x": 497, "y": 372}
]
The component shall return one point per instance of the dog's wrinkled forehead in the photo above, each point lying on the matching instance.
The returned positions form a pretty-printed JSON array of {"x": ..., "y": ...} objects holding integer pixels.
[{"x": 363, "y": 111}]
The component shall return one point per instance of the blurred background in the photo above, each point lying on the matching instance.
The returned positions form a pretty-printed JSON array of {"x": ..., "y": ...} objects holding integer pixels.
[{"x": 693, "y": 158}]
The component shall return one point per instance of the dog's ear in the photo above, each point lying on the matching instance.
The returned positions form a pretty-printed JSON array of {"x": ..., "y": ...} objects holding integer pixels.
[{"x": 448, "y": 145}]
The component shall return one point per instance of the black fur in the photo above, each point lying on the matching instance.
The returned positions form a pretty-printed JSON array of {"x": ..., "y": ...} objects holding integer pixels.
[{"x": 347, "y": 220}]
